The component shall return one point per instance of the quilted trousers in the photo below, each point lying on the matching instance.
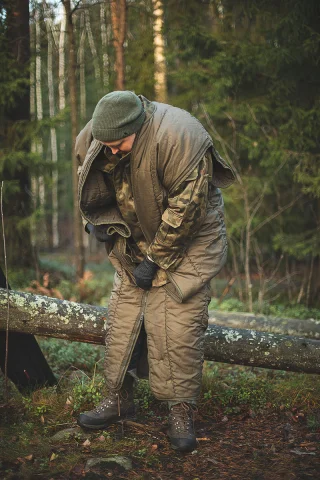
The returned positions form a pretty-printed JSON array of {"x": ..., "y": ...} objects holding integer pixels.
[{"x": 174, "y": 333}]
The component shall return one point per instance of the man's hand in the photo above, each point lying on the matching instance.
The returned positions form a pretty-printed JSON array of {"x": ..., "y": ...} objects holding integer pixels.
[
  {"x": 99, "y": 231},
  {"x": 144, "y": 273}
]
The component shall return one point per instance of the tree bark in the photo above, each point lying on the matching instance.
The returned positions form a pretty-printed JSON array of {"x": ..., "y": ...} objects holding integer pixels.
[
  {"x": 93, "y": 49},
  {"x": 104, "y": 43},
  {"x": 62, "y": 319},
  {"x": 53, "y": 139},
  {"x": 39, "y": 109},
  {"x": 82, "y": 68},
  {"x": 309, "y": 328},
  {"x": 119, "y": 27},
  {"x": 77, "y": 224},
  {"x": 160, "y": 75}
]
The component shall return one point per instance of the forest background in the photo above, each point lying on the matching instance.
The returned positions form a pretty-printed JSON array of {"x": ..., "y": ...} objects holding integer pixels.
[{"x": 248, "y": 70}]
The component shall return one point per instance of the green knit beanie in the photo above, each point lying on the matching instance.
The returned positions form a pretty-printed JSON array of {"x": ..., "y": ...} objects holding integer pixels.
[{"x": 117, "y": 115}]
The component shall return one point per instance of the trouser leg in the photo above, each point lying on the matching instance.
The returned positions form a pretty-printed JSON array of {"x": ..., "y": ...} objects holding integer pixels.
[{"x": 175, "y": 334}]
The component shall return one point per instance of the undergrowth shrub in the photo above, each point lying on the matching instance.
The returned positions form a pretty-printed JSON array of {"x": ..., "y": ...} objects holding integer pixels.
[{"x": 63, "y": 354}]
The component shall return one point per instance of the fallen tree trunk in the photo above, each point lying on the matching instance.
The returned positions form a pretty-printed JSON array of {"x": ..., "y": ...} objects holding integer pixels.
[
  {"x": 309, "y": 328},
  {"x": 72, "y": 321}
]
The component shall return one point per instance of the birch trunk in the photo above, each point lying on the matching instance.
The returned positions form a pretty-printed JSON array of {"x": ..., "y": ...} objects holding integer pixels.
[
  {"x": 62, "y": 98},
  {"x": 81, "y": 61},
  {"x": 78, "y": 239},
  {"x": 93, "y": 50},
  {"x": 34, "y": 182},
  {"x": 160, "y": 74},
  {"x": 53, "y": 141},
  {"x": 104, "y": 43},
  {"x": 39, "y": 147},
  {"x": 62, "y": 319}
]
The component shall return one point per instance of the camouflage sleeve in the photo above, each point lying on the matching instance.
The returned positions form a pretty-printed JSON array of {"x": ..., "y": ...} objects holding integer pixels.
[{"x": 182, "y": 219}]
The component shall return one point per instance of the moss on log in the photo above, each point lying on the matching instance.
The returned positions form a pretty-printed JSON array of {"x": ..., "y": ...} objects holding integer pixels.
[
  {"x": 85, "y": 323},
  {"x": 309, "y": 328}
]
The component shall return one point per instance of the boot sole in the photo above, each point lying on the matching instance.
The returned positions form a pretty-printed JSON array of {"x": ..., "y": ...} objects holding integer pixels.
[
  {"x": 106, "y": 424},
  {"x": 183, "y": 450}
]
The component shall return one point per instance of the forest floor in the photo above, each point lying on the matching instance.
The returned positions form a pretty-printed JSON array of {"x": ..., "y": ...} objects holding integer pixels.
[
  {"x": 251, "y": 424},
  {"x": 247, "y": 435}
]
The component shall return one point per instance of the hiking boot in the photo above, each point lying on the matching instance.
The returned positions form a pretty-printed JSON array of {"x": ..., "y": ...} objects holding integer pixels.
[
  {"x": 116, "y": 406},
  {"x": 181, "y": 428}
]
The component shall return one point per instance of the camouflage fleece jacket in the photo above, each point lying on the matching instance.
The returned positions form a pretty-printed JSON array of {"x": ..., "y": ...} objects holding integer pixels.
[
  {"x": 165, "y": 168},
  {"x": 189, "y": 200}
]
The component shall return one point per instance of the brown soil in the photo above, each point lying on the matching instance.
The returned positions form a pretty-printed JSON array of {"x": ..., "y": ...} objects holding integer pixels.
[{"x": 266, "y": 447}]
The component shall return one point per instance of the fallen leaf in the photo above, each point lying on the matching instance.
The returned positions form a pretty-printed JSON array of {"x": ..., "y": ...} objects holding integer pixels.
[
  {"x": 53, "y": 457},
  {"x": 68, "y": 401},
  {"x": 203, "y": 439},
  {"x": 42, "y": 419},
  {"x": 101, "y": 438},
  {"x": 29, "y": 457},
  {"x": 154, "y": 447},
  {"x": 86, "y": 443}
]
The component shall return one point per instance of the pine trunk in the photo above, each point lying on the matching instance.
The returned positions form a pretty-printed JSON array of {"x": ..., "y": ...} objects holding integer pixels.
[{"x": 119, "y": 26}]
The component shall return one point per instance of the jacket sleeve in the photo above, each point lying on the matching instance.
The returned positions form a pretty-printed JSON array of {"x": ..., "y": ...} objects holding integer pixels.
[{"x": 182, "y": 219}]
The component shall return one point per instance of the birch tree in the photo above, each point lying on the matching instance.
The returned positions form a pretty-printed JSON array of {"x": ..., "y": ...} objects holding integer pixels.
[
  {"x": 62, "y": 98},
  {"x": 93, "y": 50},
  {"x": 82, "y": 68},
  {"x": 104, "y": 43},
  {"x": 39, "y": 108},
  {"x": 160, "y": 74},
  {"x": 53, "y": 139}
]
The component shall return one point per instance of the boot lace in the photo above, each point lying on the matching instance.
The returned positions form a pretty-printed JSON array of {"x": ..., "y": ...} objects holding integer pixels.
[
  {"x": 108, "y": 402},
  {"x": 181, "y": 417}
]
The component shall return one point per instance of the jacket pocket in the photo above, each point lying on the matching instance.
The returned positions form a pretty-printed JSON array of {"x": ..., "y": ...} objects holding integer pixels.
[{"x": 172, "y": 218}]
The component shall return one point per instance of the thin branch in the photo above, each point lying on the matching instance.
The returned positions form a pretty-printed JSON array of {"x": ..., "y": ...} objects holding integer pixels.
[
  {"x": 223, "y": 143},
  {"x": 276, "y": 214},
  {"x": 256, "y": 121},
  {"x": 276, "y": 269},
  {"x": 283, "y": 279}
]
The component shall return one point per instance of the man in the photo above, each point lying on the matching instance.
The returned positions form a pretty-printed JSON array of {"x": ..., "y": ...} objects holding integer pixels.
[{"x": 148, "y": 188}]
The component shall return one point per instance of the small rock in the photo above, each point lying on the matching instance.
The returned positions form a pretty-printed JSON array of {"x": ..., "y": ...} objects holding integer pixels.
[
  {"x": 109, "y": 462},
  {"x": 224, "y": 419},
  {"x": 66, "y": 433}
]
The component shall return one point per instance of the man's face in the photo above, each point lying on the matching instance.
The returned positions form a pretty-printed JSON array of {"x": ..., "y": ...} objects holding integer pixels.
[{"x": 123, "y": 146}]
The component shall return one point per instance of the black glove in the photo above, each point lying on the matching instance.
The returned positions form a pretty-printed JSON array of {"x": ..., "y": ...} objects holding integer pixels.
[
  {"x": 100, "y": 232},
  {"x": 144, "y": 273}
]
